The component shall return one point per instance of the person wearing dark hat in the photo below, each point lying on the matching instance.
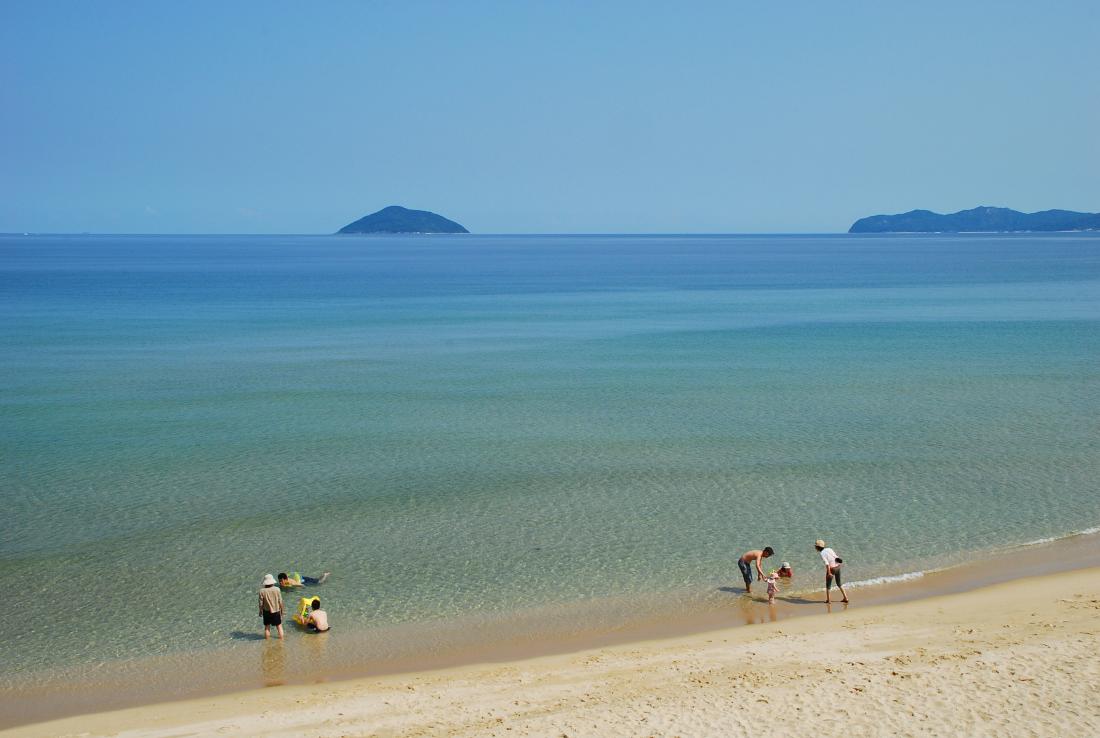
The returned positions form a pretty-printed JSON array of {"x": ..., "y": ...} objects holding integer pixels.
[
  {"x": 832, "y": 569},
  {"x": 271, "y": 606}
]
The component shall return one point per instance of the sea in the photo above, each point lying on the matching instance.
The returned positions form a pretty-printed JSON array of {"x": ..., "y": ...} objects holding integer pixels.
[{"x": 524, "y": 438}]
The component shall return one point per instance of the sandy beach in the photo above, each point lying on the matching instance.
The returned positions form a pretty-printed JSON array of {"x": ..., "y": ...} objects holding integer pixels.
[{"x": 1017, "y": 658}]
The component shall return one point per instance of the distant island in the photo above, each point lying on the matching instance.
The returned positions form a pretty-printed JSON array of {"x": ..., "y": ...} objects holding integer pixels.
[
  {"x": 981, "y": 219},
  {"x": 396, "y": 219}
]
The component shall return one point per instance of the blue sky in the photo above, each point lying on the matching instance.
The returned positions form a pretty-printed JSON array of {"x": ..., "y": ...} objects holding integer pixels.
[{"x": 290, "y": 117}]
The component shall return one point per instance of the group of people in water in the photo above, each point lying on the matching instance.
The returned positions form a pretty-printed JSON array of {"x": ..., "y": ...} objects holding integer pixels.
[
  {"x": 753, "y": 559},
  {"x": 315, "y": 620},
  {"x": 312, "y": 617}
]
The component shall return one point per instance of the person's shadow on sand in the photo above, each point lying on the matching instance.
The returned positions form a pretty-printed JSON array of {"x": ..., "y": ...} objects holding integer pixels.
[
  {"x": 797, "y": 600},
  {"x": 240, "y": 635},
  {"x": 778, "y": 598}
]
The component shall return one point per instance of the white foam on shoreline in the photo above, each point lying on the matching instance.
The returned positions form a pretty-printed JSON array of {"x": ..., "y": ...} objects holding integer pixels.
[
  {"x": 890, "y": 579},
  {"x": 913, "y": 575},
  {"x": 873, "y": 581},
  {"x": 1085, "y": 532}
]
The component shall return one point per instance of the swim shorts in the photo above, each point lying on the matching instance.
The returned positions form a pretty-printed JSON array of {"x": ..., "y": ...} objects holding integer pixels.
[
  {"x": 746, "y": 571},
  {"x": 273, "y": 618}
]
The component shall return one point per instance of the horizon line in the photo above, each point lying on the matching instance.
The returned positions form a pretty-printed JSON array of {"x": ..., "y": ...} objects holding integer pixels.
[
  {"x": 541, "y": 233},
  {"x": 418, "y": 233}
]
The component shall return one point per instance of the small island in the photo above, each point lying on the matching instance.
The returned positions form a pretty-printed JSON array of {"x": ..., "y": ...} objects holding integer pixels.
[
  {"x": 396, "y": 219},
  {"x": 978, "y": 220}
]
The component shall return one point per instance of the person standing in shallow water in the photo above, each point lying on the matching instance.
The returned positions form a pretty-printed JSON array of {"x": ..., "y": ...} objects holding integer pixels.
[
  {"x": 745, "y": 564},
  {"x": 271, "y": 606},
  {"x": 832, "y": 569}
]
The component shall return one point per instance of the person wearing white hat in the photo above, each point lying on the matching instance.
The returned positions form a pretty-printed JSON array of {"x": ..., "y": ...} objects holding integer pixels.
[
  {"x": 832, "y": 569},
  {"x": 271, "y": 606}
]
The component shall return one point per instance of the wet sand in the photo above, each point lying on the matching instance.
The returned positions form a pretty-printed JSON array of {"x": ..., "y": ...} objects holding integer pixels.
[
  {"x": 1016, "y": 658},
  {"x": 311, "y": 660}
]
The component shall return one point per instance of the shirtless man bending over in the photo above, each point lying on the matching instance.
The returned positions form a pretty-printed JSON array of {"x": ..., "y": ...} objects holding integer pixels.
[{"x": 753, "y": 557}]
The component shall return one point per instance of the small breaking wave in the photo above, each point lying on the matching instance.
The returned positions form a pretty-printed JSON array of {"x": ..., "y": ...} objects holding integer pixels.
[
  {"x": 914, "y": 575},
  {"x": 1072, "y": 534},
  {"x": 872, "y": 582},
  {"x": 891, "y": 579},
  {"x": 910, "y": 576}
]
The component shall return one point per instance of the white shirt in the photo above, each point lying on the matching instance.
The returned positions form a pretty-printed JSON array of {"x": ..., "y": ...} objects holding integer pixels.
[{"x": 828, "y": 555}]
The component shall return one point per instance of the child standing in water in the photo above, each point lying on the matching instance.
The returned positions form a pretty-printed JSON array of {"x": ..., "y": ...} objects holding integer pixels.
[{"x": 773, "y": 586}]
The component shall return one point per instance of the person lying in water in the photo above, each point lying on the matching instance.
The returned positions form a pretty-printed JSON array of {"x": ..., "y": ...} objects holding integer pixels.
[
  {"x": 285, "y": 582},
  {"x": 785, "y": 571}
]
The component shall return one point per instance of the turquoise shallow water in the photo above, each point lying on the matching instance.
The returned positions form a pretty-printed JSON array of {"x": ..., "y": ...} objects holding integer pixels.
[{"x": 489, "y": 427}]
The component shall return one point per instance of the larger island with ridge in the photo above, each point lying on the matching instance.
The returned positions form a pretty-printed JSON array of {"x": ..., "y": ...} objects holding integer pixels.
[{"x": 978, "y": 220}]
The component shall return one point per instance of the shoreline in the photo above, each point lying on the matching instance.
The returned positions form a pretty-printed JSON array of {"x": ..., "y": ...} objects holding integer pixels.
[
  {"x": 24, "y": 708},
  {"x": 1009, "y": 658}
]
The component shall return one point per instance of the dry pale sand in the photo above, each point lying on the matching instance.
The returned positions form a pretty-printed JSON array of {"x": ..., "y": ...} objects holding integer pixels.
[{"x": 1015, "y": 659}]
